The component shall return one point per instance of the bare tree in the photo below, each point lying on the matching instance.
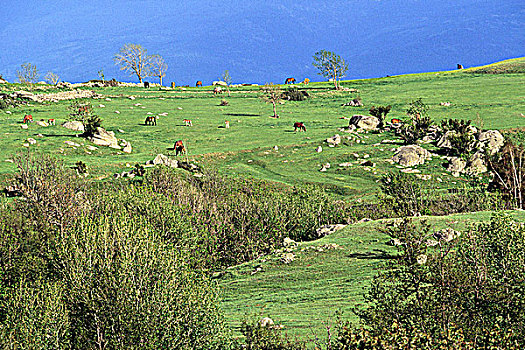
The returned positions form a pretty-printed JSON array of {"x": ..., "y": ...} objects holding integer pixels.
[
  {"x": 101, "y": 75},
  {"x": 272, "y": 94},
  {"x": 330, "y": 66},
  {"x": 134, "y": 59},
  {"x": 158, "y": 67},
  {"x": 52, "y": 78},
  {"x": 27, "y": 74},
  {"x": 227, "y": 79}
]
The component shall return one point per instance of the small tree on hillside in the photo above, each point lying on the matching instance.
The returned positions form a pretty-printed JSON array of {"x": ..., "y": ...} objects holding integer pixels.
[
  {"x": 134, "y": 59},
  {"x": 380, "y": 113},
  {"x": 52, "y": 78},
  {"x": 101, "y": 75},
  {"x": 330, "y": 66},
  {"x": 227, "y": 79},
  {"x": 158, "y": 67},
  {"x": 27, "y": 74},
  {"x": 271, "y": 94}
]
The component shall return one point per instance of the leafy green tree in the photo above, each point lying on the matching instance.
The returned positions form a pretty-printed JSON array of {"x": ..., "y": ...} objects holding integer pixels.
[
  {"x": 380, "y": 113},
  {"x": 331, "y": 66}
]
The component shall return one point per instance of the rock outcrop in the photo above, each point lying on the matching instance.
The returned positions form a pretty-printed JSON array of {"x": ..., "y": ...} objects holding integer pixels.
[
  {"x": 365, "y": 122},
  {"x": 411, "y": 155}
]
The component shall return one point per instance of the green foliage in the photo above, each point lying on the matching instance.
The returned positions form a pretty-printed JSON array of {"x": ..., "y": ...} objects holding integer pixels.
[
  {"x": 417, "y": 108},
  {"x": 380, "y": 113},
  {"x": 258, "y": 337},
  {"x": 83, "y": 111},
  {"x": 293, "y": 94},
  {"x": 406, "y": 192},
  {"x": 93, "y": 122},
  {"x": 440, "y": 284},
  {"x": 81, "y": 167},
  {"x": 507, "y": 166},
  {"x": 331, "y": 66},
  {"x": 461, "y": 135}
]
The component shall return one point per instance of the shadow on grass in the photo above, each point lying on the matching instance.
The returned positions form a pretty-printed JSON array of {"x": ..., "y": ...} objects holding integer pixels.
[
  {"x": 376, "y": 254},
  {"x": 243, "y": 114}
]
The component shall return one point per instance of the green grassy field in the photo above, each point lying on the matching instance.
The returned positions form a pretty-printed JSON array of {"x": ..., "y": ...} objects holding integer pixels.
[
  {"x": 490, "y": 100},
  {"x": 305, "y": 295}
]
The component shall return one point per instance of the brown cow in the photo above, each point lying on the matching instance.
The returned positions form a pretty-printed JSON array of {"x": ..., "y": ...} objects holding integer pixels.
[
  {"x": 199, "y": 83},
  {"x": 227, "y": 124},
  {"x": 187, "y": 122},
  {"x": 179, "y": 147},
  {"x": 151, "y": 120},
  {"x": 306, "y": 81},
  {"x": 300, "y": 126},
  {"x": 289, "y": 81},
  {"x": 28, "y": 118},
  {"x": 51, "y": 121},
  {"x": 460, "y": 66}
]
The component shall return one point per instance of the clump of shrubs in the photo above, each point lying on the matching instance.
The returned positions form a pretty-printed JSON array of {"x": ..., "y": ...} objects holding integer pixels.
[
  {"x": 461, "y": 135},
  {"x": 380, "y": 113},
  {"x": 224, "y": 103},
  {"x": 294, "y": 94},
  {"x": 419, "y": 124}
]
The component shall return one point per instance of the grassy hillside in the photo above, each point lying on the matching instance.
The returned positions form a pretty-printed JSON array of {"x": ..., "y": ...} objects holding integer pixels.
[
  {"x": 327, "y": 276},
  {"x": 491, "y": 101}
]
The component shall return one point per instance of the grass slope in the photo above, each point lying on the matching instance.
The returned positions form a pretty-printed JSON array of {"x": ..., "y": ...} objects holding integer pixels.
[
  {"x": 306, "y": 294},
  {"x": 494, "y": 101}
]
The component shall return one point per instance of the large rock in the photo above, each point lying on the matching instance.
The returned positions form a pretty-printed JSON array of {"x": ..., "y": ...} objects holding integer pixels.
[
  {"x": 365, "y": 122},
  {"x": 222, "y": 83},
  {"x": 411, "y": 155},
  {"x": 104, "y": 138},
  {"x": 334, "y": 140},
  {"x": 492, "y": 140},
  {"x": 476, "y": 165},
  {"x": 74, "y": 125},
  {"x": 127, "y": 147},
  {"x": 456, "y": 166},
  {"x": 444, "y": 141},
  {"x": 42, "y": 123},
  {"x": 328, "y": 229},
  {"x": 161, "y": 159}
]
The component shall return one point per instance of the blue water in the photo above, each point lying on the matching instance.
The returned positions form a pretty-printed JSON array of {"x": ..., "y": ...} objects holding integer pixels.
[{"x": 258, "y": 41}]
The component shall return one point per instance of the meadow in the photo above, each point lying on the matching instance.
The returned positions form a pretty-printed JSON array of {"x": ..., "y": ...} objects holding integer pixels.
[{"x": 329, "y": 275}]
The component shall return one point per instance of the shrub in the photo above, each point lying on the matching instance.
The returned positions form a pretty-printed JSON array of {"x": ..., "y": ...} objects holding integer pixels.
[
  {"x": 380, "y": 113},
  {"x": 92, "y": 123},
  {"x": 444, "y": 284},
  {"x": 405, "y": 192},
  {"x": 462, "y": 138},
  {"x": 224, "y": 103},
  {"x": 507, "y": 166},
  {"x": 293, "y": 94},
  {"x": 259, "y": 337}
]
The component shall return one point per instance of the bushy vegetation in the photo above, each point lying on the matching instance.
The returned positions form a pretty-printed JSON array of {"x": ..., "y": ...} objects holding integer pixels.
[
  {"x": 419, "y": 124},
  {"x": 461, "y": 135},
  {"x": 380, "y": 113},
  {"x": 293, "y": 94},
  {"x": 449, "y": 287}
]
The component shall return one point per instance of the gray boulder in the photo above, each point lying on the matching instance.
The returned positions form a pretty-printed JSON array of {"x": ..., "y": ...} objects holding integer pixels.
[
  {"x": 161, "y": 159},
  {"x": 105, "y": 138},
  {"x": 492, "y": 140},
  {"x": 365, "y": 122},
  {"x": 74, "y": 125},
  {"x": 456, "y": 166},
  {"x": 476, "y": 165},
  {"x": 411, "y": 155},
  {"x": 334, "y": 140}
]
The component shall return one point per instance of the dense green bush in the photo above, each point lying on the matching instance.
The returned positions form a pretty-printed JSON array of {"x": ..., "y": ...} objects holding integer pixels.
[
  {"x": 464, "y": 286},
  {"x": 419, "y": 124},
  {"x": 259, "y": 337},
  {"x": 380, "y": 113},
  {"x": 293, "y": 94},
  {"x": 461, "y": 136}
]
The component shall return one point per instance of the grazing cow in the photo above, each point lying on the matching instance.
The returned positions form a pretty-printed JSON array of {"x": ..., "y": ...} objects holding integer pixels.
[
  {"x": 217, "y": 90},
  {"x": 227, "y": 124},
  {"x": 151, "y": 120},
  {"x": 460, "y": 66},
  {"x": 28, "y": 118},
  {"x": 187, "y": 122},
  {"x": 179, "y": 147},
  {"x": 306, "y": 81},
  {"x": 395, "y": 121},
  {"x": 146, "y": 84},
  {"x": 300, "y": 126},
  {"x": 289, "y": 81},
  {"x": 51, "y": 121},
  {"x": 199, "y": 83}
]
